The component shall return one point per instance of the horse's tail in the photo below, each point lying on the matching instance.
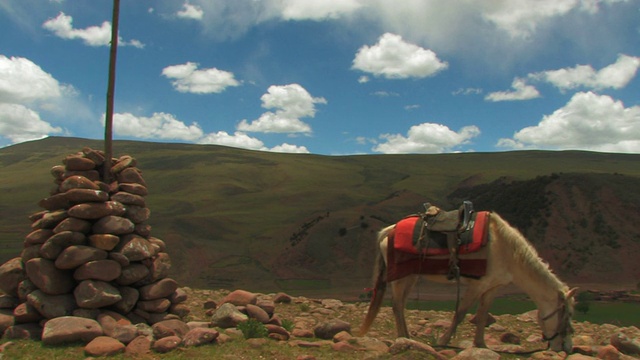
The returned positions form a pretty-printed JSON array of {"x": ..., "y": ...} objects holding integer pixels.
[{"x": 379, "y": 287}]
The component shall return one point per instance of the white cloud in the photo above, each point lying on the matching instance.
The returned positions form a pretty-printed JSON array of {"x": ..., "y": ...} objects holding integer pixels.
[
  {"x": 158, "y": 126},
  {"x": 188, "y": 79},
  {"x": 23, "y": 81},
  {"x": 587, "y": 122},
  {"x": 393, "y": 58},
  {"x": 291, "y": 102},
  {"x": 616, "y": 75},
  {"x": 288, "y": 148},
  {"x": 238, "y": 139},
  {"x": 426, "y": 138},
  {"x": 62, "y": 27},
  {"x": 19, "y": 123},
  {"x": 521, "y": 91},
  {"x": 317, "y": 9},
  {"x": 190, "y": 12}
]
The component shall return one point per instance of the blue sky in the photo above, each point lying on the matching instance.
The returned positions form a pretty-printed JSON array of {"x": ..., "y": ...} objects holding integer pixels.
[{"x": 333, "y": 77}]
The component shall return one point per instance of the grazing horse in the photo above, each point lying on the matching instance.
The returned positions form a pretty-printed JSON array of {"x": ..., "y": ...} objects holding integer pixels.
[{"x": 509, "y": 259}]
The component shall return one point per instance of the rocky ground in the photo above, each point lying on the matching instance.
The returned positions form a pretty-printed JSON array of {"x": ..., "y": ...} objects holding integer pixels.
[{"x": 306, "y": 325}]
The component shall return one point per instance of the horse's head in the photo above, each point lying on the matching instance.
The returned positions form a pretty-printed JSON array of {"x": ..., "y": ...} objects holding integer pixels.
[{"x": 556, "y": 326}]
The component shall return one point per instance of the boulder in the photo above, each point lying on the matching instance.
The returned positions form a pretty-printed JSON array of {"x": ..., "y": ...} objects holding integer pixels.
[
  {"x": 166, "y": 344},
  {"x": 200, "y": 336},
  {"x": 70, "y": 329},
  {"x": 326, "y": 330},
  {"x": 104, "y": 270},
  {"x": 11, "y": 274},
  {"x": 115, "y": 225},
  {"x": 227, "y": 316},
  {"x": 76, "y": 255},
  {"x": 240, "y": 298},
  {"x": 159, "y": 289},
  {"x": 49, "y": 278},
  {"x": 104, "y": 346},
  {"x": 92, "y": 294},
  {"x": 52, "y": 306}
]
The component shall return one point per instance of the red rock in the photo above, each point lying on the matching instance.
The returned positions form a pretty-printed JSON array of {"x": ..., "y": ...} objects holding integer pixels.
[
  {"x": 138, "y": 347},
  {"x": 103, "y": 241},
  {"x": 69, "y": 329},
  {"x": 50, "y": 219},
  {"x": 626, "y": 345},
  {"x": 154, "y": 306},
  {"x": 112, "y": 224},
  {"x": 92, "y": 175},
  {"x": 78, "y": 163},
  {"x": 104, "y": 270},
  {"x": 96, "y": 156},
  {"x": 160, "y": 267},
  {"x": 282, "y": 298},
  {"x": 27, "y": 331},
  {"x": 131, "y": 175},
  {"x": 200, "y": 336},
  {"x": 477, "y": 354},
  {"x": 25, "y": 313},
  {"x": 104, "y": 346},
  {"x": 94, "y": 211},
  {"x": 76, "y": 255},
  {"x": 257, "y": 313},
  {"x": 55, "y": 202},
  {"x": 52, "y": 306},
  {"x": 128, "y": 199},
  {"x": 77, "y": 182},
  {"x": 182, "y": 310},
  {"x": 136, "y": 189},
  {"x": 132, "y": 274},
  {"x": 74, "y": 225},
  {"x": 172, "y": 327},
  {"x": 134, "y": 247},
  {"x": 178, "y": 296},
  {"x": 166, "y": 344},
  {"x": 6, "y": 319},
  {"x": 274, "y": 329},
  {"x": 67, "y": 238},
  {"x": 137, "y": 214},
  {"x": 129, "y": 299},
  {"x": 77, "y": 196},
  {"x": 94, "y": 294},
  {"x": 123, "y": 162},
  {"x": 12, "y": 273},
  {"x": 159, "y": 289},
  {"x": 37, "y": 237},
  {"x": 240, "y": 298},
  {"x": 48, "y": 278}
]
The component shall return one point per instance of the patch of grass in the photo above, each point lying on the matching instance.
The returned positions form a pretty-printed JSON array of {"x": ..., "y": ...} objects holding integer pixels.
[{"x": 253, "y": 329}]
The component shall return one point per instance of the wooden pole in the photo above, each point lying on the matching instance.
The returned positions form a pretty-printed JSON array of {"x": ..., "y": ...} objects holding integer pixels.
[{"x": 108, "y": 127}]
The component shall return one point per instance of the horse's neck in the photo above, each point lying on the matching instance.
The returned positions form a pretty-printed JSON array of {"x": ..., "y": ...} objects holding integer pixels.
[{"x": 541, "y": 286}]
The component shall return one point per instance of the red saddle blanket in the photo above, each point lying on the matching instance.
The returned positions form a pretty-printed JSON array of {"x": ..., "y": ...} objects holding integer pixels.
[
  {"x": 404, "y": 259},
  {"x": 408, "y": 231}
]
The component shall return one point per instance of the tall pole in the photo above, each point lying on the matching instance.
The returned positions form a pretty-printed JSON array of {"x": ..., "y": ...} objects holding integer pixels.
[{"x": 108, "y": 127}]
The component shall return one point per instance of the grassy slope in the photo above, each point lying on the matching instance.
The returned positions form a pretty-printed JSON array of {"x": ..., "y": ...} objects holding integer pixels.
[{"x": 234, "y": 218}]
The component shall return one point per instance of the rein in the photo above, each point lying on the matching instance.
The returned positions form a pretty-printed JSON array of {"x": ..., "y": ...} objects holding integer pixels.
[{"x": 559, "y": 310}]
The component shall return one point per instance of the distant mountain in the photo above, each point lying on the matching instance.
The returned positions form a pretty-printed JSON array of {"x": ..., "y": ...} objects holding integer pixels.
[{"x": 301, "y": 223}]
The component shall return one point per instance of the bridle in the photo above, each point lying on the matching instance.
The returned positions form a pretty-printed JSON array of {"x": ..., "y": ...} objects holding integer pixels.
[{"x": 563, "y": 327}]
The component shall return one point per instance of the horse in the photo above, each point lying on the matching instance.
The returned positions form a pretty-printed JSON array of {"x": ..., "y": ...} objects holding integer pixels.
[{"x": 510, "y": 258}]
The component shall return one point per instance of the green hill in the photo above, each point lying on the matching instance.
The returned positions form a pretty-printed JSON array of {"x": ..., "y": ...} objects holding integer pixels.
[{"x": 306, "y": 223}]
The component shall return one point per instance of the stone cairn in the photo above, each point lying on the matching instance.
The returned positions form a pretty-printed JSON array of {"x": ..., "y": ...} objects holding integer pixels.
[{"x": 90, "y": 253}]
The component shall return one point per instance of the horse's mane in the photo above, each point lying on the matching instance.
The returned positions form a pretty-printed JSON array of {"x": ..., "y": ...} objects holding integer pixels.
[{"x": 525, "y": 253}]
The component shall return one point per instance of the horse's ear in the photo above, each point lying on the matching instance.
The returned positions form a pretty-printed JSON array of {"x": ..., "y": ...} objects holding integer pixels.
[{"x": 571, "y": 293}]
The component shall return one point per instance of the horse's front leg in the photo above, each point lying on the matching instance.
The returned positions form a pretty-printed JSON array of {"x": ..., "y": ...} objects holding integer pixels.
[
  {"x": 482, "y": 315},
  {"x": 400, "y": 290},
  {"x": 470, "y": 296}
]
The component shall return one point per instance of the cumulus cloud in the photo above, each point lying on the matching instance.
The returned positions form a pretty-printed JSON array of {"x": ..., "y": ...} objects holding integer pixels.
[
  {"x": 19, "y": 123},
  {"x": 188, "y": 79},
  {"x": 62, "y": 27},
  {"x": 291, "y": 102},
  {"x": 158, "y": 126},
  {"x": 189, "y": 11},
  {"x": 616, "y": 75},
  {"x": 521, "y": 91},
  {"x": 24, "y": 89},
  {"x": 426, "y": 138},
  {"x": 317, "y": 9},
  {"x": 587, "y": 122},
  {"x": 393, "y": 58}
]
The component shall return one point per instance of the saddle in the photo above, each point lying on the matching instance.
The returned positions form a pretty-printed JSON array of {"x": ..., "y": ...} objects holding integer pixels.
[{"x": 451, "y": 224}]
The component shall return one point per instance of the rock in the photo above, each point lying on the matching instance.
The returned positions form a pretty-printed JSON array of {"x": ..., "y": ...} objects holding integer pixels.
[
  {"x": 77, "y": 182},
  {"x": 11, "y": 274},
  {"x": 104, "y": 346},
  {"x": 25, "y": 313},
  {"x": 73, "y": 224},
  {"x": 104, "y": 241},
  {"x": 137, "y": 214},
  {"x": 328, "y": 329},
  {"x": 38, "y": 236},
  {"x": 227, "y": 316},
  {"x": 159, "y": 289},
  {"x": 257, "y": 313},
  {"x": 128, "y": 199},
  {"x": 154, "y": 306},
  {"x": 112, "y": 224},
  {"x": 31, "y": 331},
  {"x": 55, "y": 202},
  {"x": 69, "y": 329},
  {"x": 104, "y": 270},
  {"x": 282, "y": 298},
  {"x": 76, "y": 255},
  {"x": 200, "y": 336},
  {"x": 178, "y": 296},
  {"x": 6, "y": 319},
  {"x": 510, "y": 338},
  {"x": 98, "y": 210},
  {"x": 92, "y": 294},
  {"x": 182, "y": 310},
  {"x": 77, "y": 196},
  {"x": 474, "y": 353},
  {"x": 623, "y": 343},
  {"x": 171, "y": 327},
  {"x": 131, "y": 175},
  {"x": 52, "y": 306},
  {"x": 160, "y": 267},
  {"x": 123, "y": 162},
  {"x": 78, "y": 163},
  {"x": 240, "y": 298},
  {"x": 132, "y": 274},
  {"x": 49, "y": 278},
  {"x": 134, "y": 247},
  {"x": 8, "y": 302},
  {"x": 136, "y": 189},
  {"x": 129, "y": 299},
  {"x": 401, "y": 345},
  {"x": 282, "y": 333},
  {"x": 67, "y": 238},
  {"x": 166, "y": 344},
  {"x": 138, "y": 347}
]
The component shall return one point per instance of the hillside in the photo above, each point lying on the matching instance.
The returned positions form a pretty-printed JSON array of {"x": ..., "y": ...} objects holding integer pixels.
[{"x": 306, "y": 224}]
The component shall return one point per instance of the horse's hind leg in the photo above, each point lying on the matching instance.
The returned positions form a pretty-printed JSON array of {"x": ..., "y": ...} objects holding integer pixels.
[{"x": 400, "y": 292}]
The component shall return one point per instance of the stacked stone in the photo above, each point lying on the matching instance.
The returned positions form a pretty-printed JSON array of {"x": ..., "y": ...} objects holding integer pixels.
[{"x": 91, "y": 250}]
